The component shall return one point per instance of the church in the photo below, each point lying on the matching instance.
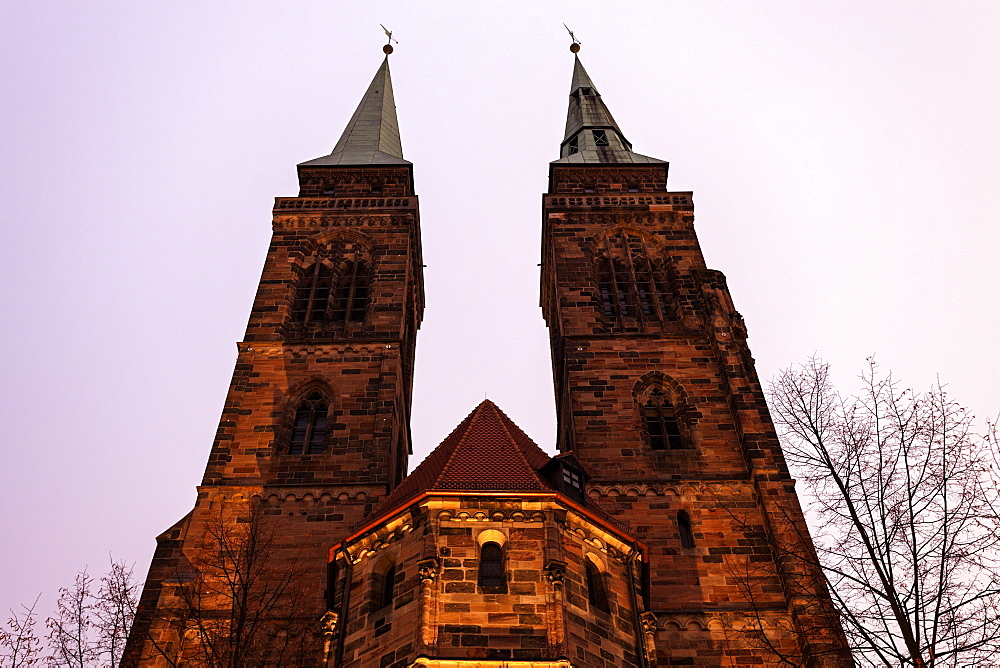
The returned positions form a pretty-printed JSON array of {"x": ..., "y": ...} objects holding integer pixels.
[{"x": 666, "y": 532}]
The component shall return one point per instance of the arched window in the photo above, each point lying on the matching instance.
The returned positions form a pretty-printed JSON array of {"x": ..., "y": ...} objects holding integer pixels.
[
  {"x": 660, "y": 419},
  {"x": 491, "y": 571},
  {"x": 597, "y": 595},
  {"x": 309, "y": 427},
  {"x": 684, "y": 529},
  {"x": 313, "y": 294},
  {"x": 351, "y": 294}
]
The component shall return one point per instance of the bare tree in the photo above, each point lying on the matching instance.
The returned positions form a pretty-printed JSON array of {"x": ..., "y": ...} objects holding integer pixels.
[
  {"x": 21, "y": 646},
  {"x": 92, "y": 619},
  {"x": 905, "y": 515},
  {"x": 241, "y": 604},
  {"x": 70, "y": 627},
  {"x": 114, "y": 611}
]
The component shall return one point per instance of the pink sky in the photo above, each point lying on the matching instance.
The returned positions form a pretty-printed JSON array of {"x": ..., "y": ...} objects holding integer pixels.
[{"x": 844, "y": 158}]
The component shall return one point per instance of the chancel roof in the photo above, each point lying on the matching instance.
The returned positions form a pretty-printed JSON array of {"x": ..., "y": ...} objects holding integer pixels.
[{"x": 486, "y": 452}]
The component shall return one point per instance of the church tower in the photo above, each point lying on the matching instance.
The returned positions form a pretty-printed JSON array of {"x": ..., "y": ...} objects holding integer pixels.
[
  {"x": 666, "y": 531},
  {"x": 315, "y": 428},
  {"x": 658, "y": 399}
]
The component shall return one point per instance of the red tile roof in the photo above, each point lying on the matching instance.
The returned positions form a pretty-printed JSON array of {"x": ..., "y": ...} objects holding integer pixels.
[{"x": 486, "y": 452}]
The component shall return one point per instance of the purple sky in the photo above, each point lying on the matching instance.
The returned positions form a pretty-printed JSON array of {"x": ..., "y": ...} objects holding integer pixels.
[{"x": 844, "y": 157}]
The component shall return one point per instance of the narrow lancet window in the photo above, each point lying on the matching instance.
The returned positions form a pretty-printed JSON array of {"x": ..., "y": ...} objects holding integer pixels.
[
  {"x": 661, "y": 423},
  {"x": 491, "y": 572},
  {"x": 684, "y": 529},
  {"x": 309, "y": 427},
  {"x": 388, "y": 592}
]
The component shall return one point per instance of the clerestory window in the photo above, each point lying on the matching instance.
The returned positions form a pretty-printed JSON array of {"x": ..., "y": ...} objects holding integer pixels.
[
  {"x": 661, "y": 423},
  {"x": 309, "y": 427}
]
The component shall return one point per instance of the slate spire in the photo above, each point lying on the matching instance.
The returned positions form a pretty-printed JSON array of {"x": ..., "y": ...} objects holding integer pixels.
[
  {"x": 372, "y": 134},
  {"x": 592, "y": 135}
]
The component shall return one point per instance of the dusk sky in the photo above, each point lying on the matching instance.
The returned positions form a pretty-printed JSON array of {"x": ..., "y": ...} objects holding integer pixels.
[{"x": 844, "y": 158}]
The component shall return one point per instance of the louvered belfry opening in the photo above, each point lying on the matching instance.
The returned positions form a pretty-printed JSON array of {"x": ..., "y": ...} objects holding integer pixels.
[
  {"x": 309, "y": 427},
  {"x": 328, "y": 299},
  {"x": 632, "y": 285}
]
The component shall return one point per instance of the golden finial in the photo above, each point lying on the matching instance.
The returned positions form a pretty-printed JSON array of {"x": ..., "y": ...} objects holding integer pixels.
[
  {"x": 387, "y": 49},
  {"x": 575, "y": 46}
]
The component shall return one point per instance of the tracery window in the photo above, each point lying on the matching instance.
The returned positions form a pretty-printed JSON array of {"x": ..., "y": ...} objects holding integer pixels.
[
  {"x": 660, "y": 420},
  {"x": 309, "y": 426},
  {"x": 632, "y": 287},
  {"x": 597, "y": 595},
  {"x": 491, "y": 571}
]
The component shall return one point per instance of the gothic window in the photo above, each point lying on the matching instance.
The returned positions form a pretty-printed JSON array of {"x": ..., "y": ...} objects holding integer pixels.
[
  {"x": 661, "y": 423},
  {"x": 309, "y": 427},
  {"x": 600, "y": 137},
  {"x": 491, "y": 572},
  {"x": 684, "y": 529},
  {"x": 597, "y": 595}
]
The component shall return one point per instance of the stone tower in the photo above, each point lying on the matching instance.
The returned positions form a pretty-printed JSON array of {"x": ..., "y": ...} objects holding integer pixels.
[
  {"x": 657, "y": 397},
  {"x": 666, "y": 532},
  {"x": 315, "y": 427}
]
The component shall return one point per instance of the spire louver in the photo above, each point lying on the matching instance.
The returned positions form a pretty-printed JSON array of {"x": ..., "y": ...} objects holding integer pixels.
[
  {"x": 592, "y": 135},
  {"x": 372, "y": 134}
]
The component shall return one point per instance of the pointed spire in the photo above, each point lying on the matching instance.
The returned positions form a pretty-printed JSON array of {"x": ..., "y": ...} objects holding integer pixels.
[
  {"x": 592, "y": 135},
  {"x": 372, "y": 134}
]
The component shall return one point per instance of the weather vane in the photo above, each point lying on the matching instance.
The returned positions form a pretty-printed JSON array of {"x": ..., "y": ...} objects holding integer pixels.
[
  {"x": 387, "y": 49},
  {"x": 575, "y": 46}
]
